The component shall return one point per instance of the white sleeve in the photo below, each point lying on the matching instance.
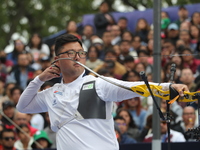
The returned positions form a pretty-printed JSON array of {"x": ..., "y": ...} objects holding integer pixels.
[
  {"x": 31, "y": 101},
  {"x": 110, "y": 92}
]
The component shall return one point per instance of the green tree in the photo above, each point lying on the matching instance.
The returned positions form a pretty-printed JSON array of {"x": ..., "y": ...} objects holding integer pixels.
[
  {"x": 50, "y": 16},
  {"x": 149, "y": 4},
  {"x": 41, "y": 16}
]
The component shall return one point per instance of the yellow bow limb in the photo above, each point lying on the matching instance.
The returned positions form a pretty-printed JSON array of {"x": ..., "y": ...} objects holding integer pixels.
[{"x": 158, "y": 92}]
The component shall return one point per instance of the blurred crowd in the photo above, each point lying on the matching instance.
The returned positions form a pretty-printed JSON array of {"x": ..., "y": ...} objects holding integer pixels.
[{"x": 114, "y": 51}]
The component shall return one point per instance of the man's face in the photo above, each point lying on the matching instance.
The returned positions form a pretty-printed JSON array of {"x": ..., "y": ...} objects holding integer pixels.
[
  {"x": 8, "y": 140},
  {"x": 88, "y": 31},
  {"x": 187, "y": 76},
  {"x": 23, "y": 60},
  {"x": 124, "y": 47},
  {"x": 185, "y": 36},
  {"x": 9, "y": 111},
  {"x": 167, "y": 48},
  {"x": 21, "y": 118},
  {"x": 189, "y": 116},
  {"x": 115, "y": 31},
  {"x": 107, "y": 38},
  {"x": 68, "y": 67},
  {"x": 16, "y": 95},
  {"x": 122, "y": 24},
  {"x": 183, "y": 13}
]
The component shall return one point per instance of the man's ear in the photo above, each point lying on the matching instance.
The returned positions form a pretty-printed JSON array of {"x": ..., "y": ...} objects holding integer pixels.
[{"x": 56, "y": 62}]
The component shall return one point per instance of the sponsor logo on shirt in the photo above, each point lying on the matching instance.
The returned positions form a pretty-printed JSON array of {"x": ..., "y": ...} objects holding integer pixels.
[
  {"x": 54, "y": 102},
  {"x": 57, "y": 92},
  {"x": 88, "y": 86}
]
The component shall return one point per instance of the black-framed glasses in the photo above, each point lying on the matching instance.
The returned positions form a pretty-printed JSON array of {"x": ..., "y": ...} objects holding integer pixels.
[
  {"x": 72, "y": 54},
  {"x": 8, "y": 138}
]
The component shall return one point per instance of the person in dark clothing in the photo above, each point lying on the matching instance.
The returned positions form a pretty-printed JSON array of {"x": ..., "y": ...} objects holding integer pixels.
[{"x": 103, "y": 20}]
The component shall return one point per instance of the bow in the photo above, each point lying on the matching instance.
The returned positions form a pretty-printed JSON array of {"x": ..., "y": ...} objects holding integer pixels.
[{"x": 166, "y": 95}]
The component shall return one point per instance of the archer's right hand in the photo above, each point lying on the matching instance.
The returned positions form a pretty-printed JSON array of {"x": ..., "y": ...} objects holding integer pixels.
[{"x": 49, "y": 73}]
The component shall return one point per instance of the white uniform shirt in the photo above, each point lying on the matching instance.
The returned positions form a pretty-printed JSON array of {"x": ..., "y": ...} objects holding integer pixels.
[{"x": 61, "y": 101}]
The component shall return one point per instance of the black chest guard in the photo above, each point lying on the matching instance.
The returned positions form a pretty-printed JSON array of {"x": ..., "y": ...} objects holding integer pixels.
[{"x": 90, "y": 105}]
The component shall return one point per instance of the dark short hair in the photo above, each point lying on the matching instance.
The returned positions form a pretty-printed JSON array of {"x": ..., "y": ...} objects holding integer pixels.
[
  {"x": 16, "y": 88},
  {"x": 21, "y": 126},
  {"x": 143, "y": 51},
  {"x": 110, "y": 51},
  {"x": 6, "y": 130},
  {"x": 128, "y": 58},
  {"x": 123, "y": 18},
  {"x": 64, "y": 39},
  {"x": 7, "y": 104},
  {"x": 182, "y": 7}
]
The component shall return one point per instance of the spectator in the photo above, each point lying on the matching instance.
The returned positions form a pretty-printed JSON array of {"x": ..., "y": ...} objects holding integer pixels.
[
  {"x": 9, "y": 111},
  {"x": 42, "y": 138},
  {"x": 195, "y": 19},
  {"x": 127, "y": 36},
  {"x": 189, "y": 121},
  {"x": 15, "y": 93},
  {"x": 103, "y": 20},
  {"x": 132, "y": 129},
  {"x": 22, "y": 72},
  {"x": 168, "y": 48},
  {"x": 98, "y": 43},
  {"x": 7, "y": 138},
  {"x": 140, "y": 67},
  {"x": 123, "y": 24},
  {"x": 129, "y": 62},
  {"x": 115, "y": 33},
  {"x": 136, "y": 110},
  {"x": 24, "y": 141},
  {"x": 71, "y": 28},
  {"x": 21, "y": 118},
  {"x": 185, "y": 36},
  {"x": 5, "y": 65},
  {"x": 189, "y": 61},
  {"x": 125, "y": 47},
  {"x": 195, "y": 37},
  {"x": 165, "y": 20},
  {"x": 88, "y": 31},
  {"x": 150, "y": 47},
  {"x": 36, "y": 47},
  {"x": 182, "y": 15},
  {"x": 45, "y": 62},
  {"x": 123, "y": 138},
  {"x": 107, "y": 38},
  {"x": 174, "y": 135},
  {"x": 180, "y": 45},
  {"x": 119, "y": 70},
  {"x": 19, "y": 47},
  {"x": 172, "y": 32},
  {"x": 136, "y": 43},
  {"x": 93, "y": 58},
  {"x": 146, "y": 59},
  {"x": 184, "y": 26},
  {"x": 187, "y": 77},
  {"x": 7, "y": 95},
  {"x": 142, "y": 29},
  {"x": 131, "y": 75}
]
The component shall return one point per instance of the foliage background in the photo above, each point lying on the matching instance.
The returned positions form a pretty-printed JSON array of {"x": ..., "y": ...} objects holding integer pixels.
[{"x": 50, "y": 16}]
